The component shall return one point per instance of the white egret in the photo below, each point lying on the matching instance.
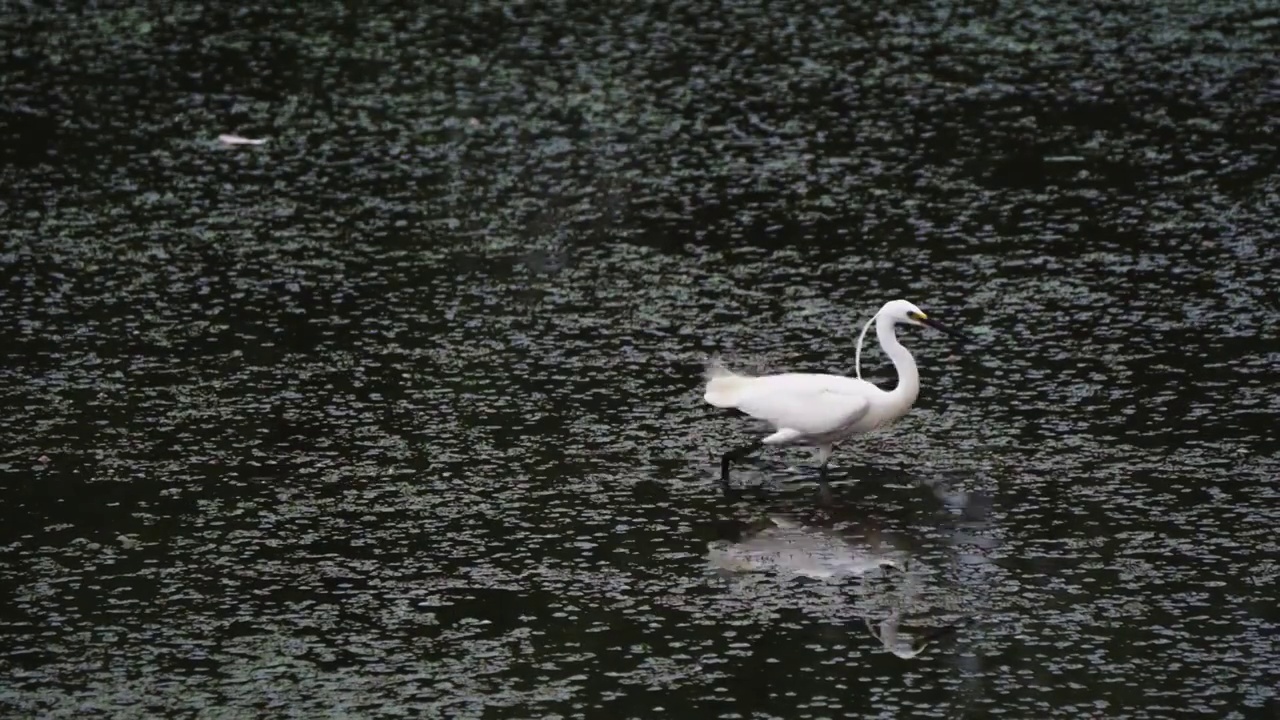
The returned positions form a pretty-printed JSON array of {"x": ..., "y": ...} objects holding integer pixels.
[{"x": 818, "y": 409}]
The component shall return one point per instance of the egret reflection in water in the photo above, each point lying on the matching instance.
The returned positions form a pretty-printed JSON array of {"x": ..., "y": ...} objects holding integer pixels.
[
  {"x": 784, "y": 546},
  {"x": 843, "y": 566}
]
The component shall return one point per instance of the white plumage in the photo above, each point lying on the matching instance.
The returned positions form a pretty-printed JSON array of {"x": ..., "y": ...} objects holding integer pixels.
[
  {"x": 798, "y": 405},
  {"x": 818, "y": 409}
]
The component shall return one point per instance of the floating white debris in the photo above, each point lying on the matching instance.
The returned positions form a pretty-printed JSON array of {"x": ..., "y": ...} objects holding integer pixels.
[{"x": 237, "y": 140}]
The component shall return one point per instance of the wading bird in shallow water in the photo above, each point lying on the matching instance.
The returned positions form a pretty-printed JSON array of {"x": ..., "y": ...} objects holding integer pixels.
[{"x": 821, "y": 410}]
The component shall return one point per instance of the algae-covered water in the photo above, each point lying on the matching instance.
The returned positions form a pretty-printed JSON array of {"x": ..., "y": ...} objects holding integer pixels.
[{"x": 399, "y": 412}]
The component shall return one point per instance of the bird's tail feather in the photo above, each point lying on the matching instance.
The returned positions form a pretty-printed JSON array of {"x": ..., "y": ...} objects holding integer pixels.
[{"x": 723, "y": 385}]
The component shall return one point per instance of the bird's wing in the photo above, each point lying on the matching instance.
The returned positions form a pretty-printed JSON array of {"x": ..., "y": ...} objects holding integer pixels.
[{"x": 813, "y": 404}]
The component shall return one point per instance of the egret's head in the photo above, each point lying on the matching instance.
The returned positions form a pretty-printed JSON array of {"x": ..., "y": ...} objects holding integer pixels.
[
  {"x": 901, "y": 311},
  {"x": 904, "y": 312}
]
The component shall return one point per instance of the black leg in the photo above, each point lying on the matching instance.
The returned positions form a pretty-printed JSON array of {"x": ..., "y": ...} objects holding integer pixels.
[
  {"x": 822, "y": 478},
  {"x": 825, "y": 498},
  {"x": 735, "y": 454}
]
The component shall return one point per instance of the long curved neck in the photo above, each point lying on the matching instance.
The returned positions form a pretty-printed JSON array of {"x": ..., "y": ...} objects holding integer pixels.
[{"x": 908, "y": 377}]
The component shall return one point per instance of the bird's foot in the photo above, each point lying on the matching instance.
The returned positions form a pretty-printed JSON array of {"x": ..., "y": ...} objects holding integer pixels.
[{"x": 737, "y": 453}]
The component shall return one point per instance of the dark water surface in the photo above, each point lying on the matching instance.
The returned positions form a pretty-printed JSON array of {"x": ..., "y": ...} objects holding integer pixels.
[{"x": 399, "y": 414}]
